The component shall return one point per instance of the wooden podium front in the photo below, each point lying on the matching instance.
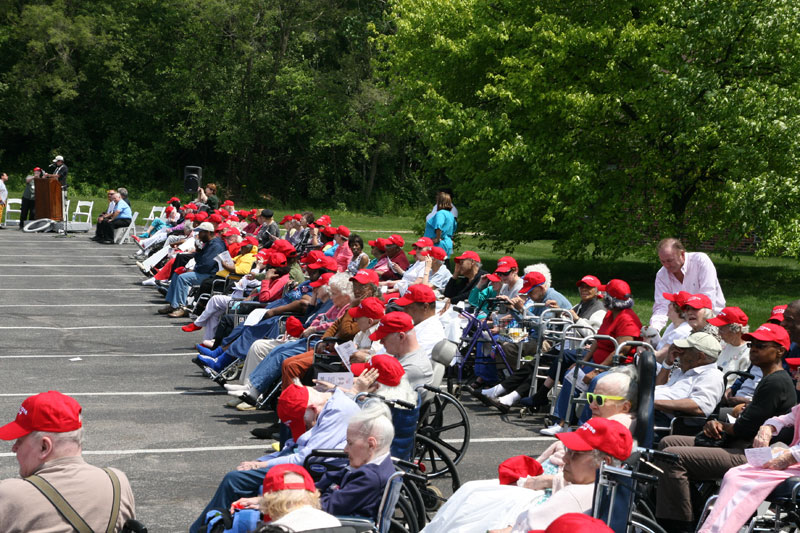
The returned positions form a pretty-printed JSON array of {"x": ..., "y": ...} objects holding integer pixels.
[{"x": 48, "y": 198}]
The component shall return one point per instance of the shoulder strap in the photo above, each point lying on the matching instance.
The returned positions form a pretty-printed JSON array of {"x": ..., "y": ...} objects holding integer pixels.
[
  {"x": 58, "y": 501},
  {"x": 112, "y": 522}
]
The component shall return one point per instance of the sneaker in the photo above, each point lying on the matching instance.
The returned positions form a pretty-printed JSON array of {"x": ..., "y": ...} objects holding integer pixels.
[
  {"x": 188, "y": 328},
  {"x": 167, "y": 309},
  {"x": 236, "y": 387},
  {"x": 553, "y": 430},
  {"x": 178, "y": 313},
  {"x": 149, "y": 282},
  {"x": 233, "y": 402},
  {"x": 245, "y": 407},
  {"x": 144, "y": 269}
]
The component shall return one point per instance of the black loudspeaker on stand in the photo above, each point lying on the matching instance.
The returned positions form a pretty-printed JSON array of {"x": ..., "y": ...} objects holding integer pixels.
[{"x": 192, "y": 179}]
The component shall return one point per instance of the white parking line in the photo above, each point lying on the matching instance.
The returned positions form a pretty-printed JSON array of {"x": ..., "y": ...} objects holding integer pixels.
[
  {"x": 76, "y": 305},
  {"x": 83, "y": 355},
  {"x": 119, "y": 393},
  {"x": 262, "y": 447},
  {"x": 53, "y": 265},
  {"x": 86, "y": 327},
  {"x": 80, "y": 289},
  {"x": 69, "y": 275}
]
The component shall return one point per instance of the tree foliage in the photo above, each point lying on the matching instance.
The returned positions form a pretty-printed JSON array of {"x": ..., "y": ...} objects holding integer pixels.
[
  {"x": 607, "y": 124},
  {"x": 274, "y": 98}
]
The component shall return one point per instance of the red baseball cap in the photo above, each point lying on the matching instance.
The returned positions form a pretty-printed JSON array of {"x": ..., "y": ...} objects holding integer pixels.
[
  {"x": 328, "y": 263},
  {"x": 285, "y": 247},
  {"x": 436, "y": 252},
  {"x": 371, "y": 307},
  {"x": 344, "y": 231},
  {"x": 294, "y": 327},
  {"x": 191, "y": 216},
  {"x": 322, "y": 280},
  {"x": 234, "y": 218},
  {"x": 276, "y": 259},
  {"x": 222, "y": 226},
  {"x": 292, "y": 404},
  {"x": 494, "y": 278},
  {"x": 365, "y": 276},
  {"x": 396, "y": 240},
  {"x": 699, "y": 301},
  {"x": 574, "y": 523},
  {"x": 680, "y": 298},
  {"x": 591, "y": 281},
  {"x": 424, "y": 242},
  {"x": 230, "y": 231},
  {"x": 382, "y": 243},
  {"x": 531, "y": 280},
  {"x": 777, "y": 312},
  {"x": 390, "y": 371},
  {"x": 297, "y": 216},
  {"x": 169, "y": 209},
  {"x": 418, "y": 293},
  {"x": 513, "y": 468},
  {"x": 310, "y": 257},
  {"x": 329, "y": 231},
  {"x": 285, "y": 219},
  {"x": 769, "y": 332},
  {"x": 616, "y": 288},
  {"x": 173, "y": 199},
  {"x": 215, "y": 219},
  {"x": 505, "y": 264},
  {"x": 191, "y": 205},
  {"x": 49, "y": 411},
  {"x": 275, "y": 480},
  {"x": 608, "y": 436},
  {"x": 469, "y": 254},
  {"x": 201, "y": 216},
  {"x": 250, "y": 240},
  {"x": 226, "y": 203},
  {"x": 729, "y": 315},
  {"x": 324, "y": 220},
  {"x": 394, "y": 322}
]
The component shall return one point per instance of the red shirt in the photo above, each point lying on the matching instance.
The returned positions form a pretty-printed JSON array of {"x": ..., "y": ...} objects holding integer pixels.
[{"x": 626, "y": 324}]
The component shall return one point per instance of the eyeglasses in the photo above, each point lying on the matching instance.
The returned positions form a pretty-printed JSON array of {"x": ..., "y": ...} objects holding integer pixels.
[
  {"x": 573, "y": 453},
  {"x": 760, "y": 345},
  {"x": 600, "y": 399},
  {"x": 504, "y": 274}
]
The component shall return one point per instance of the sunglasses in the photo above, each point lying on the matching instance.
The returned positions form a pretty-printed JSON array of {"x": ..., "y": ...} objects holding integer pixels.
[
  {"x": 601, "y": 399},
  {"x": 760, "y": 345},
  {"x": 504, "y": 274}
]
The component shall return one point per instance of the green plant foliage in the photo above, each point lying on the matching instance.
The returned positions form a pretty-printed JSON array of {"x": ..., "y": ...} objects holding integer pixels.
[{"x": 607, "y": 124}]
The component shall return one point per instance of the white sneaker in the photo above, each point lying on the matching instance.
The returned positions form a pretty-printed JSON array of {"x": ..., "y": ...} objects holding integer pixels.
[
  {"x": 149, "y": 282},
  {"x": 236, "y": 393},
  {"x": 553, "y": 430},
  {"x": 235, "y": 386}
]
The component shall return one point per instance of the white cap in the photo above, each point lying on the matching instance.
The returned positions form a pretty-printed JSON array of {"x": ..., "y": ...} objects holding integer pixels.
[
  {"x": 205, "y": 226},
  {"x": 58, "y": 158}
]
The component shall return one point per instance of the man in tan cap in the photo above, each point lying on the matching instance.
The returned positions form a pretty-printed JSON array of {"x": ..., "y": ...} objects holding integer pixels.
[{"x": 48, "y": 432}]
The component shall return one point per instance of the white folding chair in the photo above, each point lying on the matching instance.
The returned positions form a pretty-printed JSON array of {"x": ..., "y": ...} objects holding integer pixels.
[
  {"x": 79, "y": 212},
  {"x": 10, "y": 209},
  {"x": 155, "y": 212},
  {"x": 124, "y": 234}
]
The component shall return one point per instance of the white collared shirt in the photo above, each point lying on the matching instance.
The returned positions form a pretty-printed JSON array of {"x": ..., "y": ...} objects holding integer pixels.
[
  {"x": 429, "y": 332},
  {"x": 703, "y": 384},
  {"x": 699, "y": 277}
]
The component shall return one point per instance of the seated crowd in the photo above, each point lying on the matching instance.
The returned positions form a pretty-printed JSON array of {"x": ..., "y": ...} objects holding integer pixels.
[{"x": 288, "y": 305}]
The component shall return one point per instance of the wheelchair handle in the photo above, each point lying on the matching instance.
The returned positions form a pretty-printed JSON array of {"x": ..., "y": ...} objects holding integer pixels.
[
  {"x": 401, "y": 403},
  {"x": 656, "y": 454},
  {"x": 622, "y": 472}
]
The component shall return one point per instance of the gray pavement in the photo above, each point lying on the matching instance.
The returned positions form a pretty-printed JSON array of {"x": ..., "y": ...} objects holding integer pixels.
[{"x": 75, "y": 319}]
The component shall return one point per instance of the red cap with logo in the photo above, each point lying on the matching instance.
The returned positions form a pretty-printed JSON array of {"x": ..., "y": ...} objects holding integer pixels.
[
  {"x": 328, "y": 263},
  {"x": 365, "y": 276},
  {"x": 616, "y": 288},
  {"x": 729, "y": 315},
  {"x": 680, "y": 298},
  {"x": 394, "y": 322},
  {"x": 608, "y": 436},
  {"x": 285, "y": 247},
  {"x": 226, "y": 203},
  {"x": 310, "y": 257},
  {"x": 777, "y": 313},
  {"x": 49, "y": 411},
  {"x": 435, "y": 252},
  {"x": 292, "y": 404},
  {"x": 699, "y": 301},
  {"x": 417, "y": 294},
  {"x": 250, "y": 240},
  {"x": 469, "y": 254},
  {"x": 513, "y": 468},
  {"x": 769, "y": 332},
  {"x": 531, "y": 280},
  {"x": 275, "y": 480},
  {"x": 591, "y": 281},
  {"x": 329, "y": 231},
  {"x": 424, "y": 242},
  {"x": 285, "y": 219},
  {"x": 505, "y": 264},
  {"x": 230, "y": 231},
  {"x": 397, "y": 240},
  {"x": 371, "y": 307},
  {"x": 390, "y": 371},
  {"x": 574, "y": 523},
  {"x": 343, "y": 231},
  {"x": 322, "y": 280}
]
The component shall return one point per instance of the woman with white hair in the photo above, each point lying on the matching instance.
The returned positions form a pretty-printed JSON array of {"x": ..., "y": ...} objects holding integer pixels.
[{"x": 735, "y": 354}]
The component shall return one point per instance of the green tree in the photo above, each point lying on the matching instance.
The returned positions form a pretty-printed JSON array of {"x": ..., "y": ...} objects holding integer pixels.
[{"x": 608, "y": 124}]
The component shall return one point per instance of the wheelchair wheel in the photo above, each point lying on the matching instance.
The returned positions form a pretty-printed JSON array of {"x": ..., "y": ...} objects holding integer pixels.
[
  {"x": 412, "y": 497},
  {"x": 232, "y": 371},
  {"x": 435, "y": 463},
  {"x": 404, "y": 519},
  {"x": 38, "y": 225},
  {"x": 445, "y": 421},
  {"x": 640, "y": 523}
]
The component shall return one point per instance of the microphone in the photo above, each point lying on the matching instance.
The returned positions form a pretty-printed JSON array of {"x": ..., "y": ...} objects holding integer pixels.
[{"x": 51, "y": 165}]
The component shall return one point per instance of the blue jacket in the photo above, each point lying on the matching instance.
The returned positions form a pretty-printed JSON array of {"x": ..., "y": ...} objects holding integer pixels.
[
  {"x": 204, "y": 259},
  {"x": 356, "y": 492}
]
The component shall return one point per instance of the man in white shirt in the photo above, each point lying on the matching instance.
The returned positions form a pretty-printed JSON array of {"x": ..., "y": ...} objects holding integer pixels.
[
  {"x": 696, "y": 387},
  {"x": 683, "y": 271},
  {"x": 419, "y": 303}
]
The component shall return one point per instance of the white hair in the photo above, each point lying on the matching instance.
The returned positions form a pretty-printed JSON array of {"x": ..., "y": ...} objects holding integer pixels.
[
  {"x": 543, "y": 270},
  {"x": 75, "y": 437},
  {"x": 374, "y": 420},
  {"x": 341, "y": 282},
  {"x": 622, "y": 380}
]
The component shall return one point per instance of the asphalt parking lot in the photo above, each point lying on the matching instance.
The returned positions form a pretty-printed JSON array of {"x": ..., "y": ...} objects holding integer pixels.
[{"x": 76, "y": 319}]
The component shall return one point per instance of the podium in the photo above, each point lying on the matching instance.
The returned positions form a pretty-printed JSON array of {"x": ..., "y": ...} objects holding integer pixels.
[{"x": 48, "y": 199}]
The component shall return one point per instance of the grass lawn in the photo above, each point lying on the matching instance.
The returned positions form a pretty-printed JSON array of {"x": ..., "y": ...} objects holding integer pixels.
[{"x": 754, "y": 284}]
